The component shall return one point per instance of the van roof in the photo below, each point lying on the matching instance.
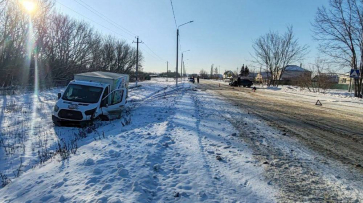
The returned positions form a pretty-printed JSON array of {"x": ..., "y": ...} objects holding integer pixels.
[
  {"x": 100, "y": 74},
  {"x": 86, "y": 83}
]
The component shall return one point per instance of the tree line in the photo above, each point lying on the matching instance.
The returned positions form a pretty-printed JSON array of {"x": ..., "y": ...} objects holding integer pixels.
[{"x": 54, "y": 46}]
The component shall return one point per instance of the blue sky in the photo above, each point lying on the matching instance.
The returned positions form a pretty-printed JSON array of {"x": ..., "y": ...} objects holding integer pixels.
[{"x": 222, "y": 33}]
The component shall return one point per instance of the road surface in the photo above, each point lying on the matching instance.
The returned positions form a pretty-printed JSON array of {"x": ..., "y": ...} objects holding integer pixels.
[{"x": 333, "y": 131}]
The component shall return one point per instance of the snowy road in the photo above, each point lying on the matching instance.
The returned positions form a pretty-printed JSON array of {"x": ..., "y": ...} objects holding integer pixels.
[{"x": 314, "y": 153}]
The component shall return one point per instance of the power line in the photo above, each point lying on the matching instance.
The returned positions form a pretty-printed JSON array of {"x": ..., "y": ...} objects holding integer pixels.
[
  {"x": 149, "y": 53},
  {"x": 153, "y": 52},
  {"x": 90, "y": 19},
  {"x": 172, "y": 8},
  {"x": 88, "y": 7},
  {"x": 114, "y": 23}
]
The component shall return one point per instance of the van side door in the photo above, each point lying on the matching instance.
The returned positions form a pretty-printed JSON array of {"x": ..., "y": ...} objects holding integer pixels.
[{"x": 117, "y": 100}]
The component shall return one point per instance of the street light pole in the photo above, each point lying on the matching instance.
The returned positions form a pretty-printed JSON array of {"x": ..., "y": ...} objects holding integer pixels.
[
  {"x": 181, "y": 67},
  {"x": 182, "y": 64},
  {"x": 177, "y": 53},
  {"x": 177, "y": 50}
]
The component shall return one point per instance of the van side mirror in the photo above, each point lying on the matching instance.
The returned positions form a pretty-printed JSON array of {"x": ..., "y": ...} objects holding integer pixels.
[{"x": 59, "y": 95}]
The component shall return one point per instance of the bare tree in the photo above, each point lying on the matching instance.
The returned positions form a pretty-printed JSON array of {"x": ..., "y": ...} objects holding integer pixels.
[
  {"x": 275, "y": 52},
  {"x": 203, "y": 73},
  {"x": 55, "y": 46},
  {"x": 323, "y": 77},
  {"x": 339, "y": 28}
]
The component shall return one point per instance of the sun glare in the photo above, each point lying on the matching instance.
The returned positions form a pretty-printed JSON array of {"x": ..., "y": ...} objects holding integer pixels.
[{"x": 29, "y": 5}]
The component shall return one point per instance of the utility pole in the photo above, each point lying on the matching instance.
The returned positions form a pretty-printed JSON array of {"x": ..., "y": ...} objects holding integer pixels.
[
  {"x": 177, "y": 53},
  {"x": 219, "y": 71},
  {"x": 184, "y": 68},
  {"x": 181, "y": 67},
  {"x": 167, "y": 70},
  {"x": 137, "y": 57}
]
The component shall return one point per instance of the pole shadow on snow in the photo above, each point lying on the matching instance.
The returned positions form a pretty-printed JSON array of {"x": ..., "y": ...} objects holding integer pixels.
[{"x": 2, "y": 111}]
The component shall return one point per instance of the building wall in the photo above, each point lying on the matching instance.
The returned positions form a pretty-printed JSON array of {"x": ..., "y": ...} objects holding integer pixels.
[
  {"x": 294, "y": 75},
  {"x": 344, "y": 79}
]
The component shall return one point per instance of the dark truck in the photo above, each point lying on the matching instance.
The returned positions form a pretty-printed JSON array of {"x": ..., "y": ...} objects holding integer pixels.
[{"x": 243, "y": 82}]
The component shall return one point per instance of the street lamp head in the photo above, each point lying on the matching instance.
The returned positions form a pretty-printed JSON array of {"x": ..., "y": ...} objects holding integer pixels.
[{"x": 185, "y": 23}]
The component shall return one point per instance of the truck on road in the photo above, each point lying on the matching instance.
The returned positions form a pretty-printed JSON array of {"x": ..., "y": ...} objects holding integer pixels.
[
  {"x": 92, "y": 95},
  {"x": 242, "y": 82}
]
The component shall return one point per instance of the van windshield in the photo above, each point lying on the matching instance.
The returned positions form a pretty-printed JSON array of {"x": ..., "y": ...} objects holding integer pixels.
[{"x": 82, "y": 93}]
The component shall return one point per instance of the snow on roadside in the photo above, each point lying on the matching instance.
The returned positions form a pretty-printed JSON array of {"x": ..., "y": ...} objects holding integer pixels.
[
  {"x": 176, "y": 148},
  {"x": 27, "y": 131}
]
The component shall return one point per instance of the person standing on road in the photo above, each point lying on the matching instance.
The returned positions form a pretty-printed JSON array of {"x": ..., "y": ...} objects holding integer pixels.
[
  {"x": 239, "y": 82},
  {"x": 198, "y": 79}
]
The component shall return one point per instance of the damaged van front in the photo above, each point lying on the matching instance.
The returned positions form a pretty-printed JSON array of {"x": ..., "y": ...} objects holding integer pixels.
[
  {"x": 80, "y": 102},
  {"x": 84, "y": 101}
]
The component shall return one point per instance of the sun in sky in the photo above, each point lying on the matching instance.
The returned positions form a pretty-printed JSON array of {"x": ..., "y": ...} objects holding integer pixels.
[{"x": 29, "y": 5}]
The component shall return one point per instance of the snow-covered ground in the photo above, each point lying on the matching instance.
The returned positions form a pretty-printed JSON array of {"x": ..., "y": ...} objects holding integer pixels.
[
  {"x": 27, "y": 134},
  {"x": 172, "y": 146}
]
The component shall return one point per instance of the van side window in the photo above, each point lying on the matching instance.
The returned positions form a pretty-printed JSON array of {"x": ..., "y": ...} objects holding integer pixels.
[{"x": 117, "y": 96}]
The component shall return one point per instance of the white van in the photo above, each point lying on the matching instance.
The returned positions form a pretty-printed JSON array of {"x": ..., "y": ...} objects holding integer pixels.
[{"x": 92, "y": 95}]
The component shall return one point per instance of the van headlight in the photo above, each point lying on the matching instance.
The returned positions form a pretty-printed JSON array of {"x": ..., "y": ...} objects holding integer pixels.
[{"x": 56, "y": 108}]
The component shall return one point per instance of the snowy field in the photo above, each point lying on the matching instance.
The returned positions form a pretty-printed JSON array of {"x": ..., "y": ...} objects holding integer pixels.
[{"x": 171, "y": 145}]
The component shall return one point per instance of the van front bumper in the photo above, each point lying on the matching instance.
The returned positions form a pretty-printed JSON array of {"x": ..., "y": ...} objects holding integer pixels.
[{"x": 59, "y": 121}]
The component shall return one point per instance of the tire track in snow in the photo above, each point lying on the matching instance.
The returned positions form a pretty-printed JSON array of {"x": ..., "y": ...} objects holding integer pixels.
[{"x": 192, "y": 172}]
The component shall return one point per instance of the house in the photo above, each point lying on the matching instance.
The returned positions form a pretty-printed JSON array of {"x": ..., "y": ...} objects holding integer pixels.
[
  {"x": 228, "y": 75},
  {"x": 291, "y": 74},
  {"x": 329, "y": 77},
  {"x": 344, "y": 78},
  {"x": 252, "y": 76},
  {"x": 263, "y": 77},
  {"x": 218, "y": 76},
  {"x": 294, "y": 72}
]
